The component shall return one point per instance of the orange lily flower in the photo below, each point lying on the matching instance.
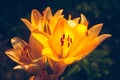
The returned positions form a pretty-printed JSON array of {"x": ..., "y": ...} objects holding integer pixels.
[
  {"x": 28, "y": 56},
  {"x": 70, "y": 41},
  {"x": 45, "y": 22},
  {"x": 70, "y": 44}
]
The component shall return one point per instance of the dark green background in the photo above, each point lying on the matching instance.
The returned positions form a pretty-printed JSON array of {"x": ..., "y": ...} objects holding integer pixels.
[{"x": 102, "y": 64}]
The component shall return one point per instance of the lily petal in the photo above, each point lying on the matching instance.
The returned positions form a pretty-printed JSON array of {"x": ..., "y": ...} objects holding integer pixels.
[
  {"x": 95, "y": 30},
  {"x": 58, "y": 13},
  {"x": 79, "y": 35},
  {"x": 91, "y": 46},
  {"x": 41, "y": 37},
  {"x": 69, "y": 60},
  {"x": 17, "y": 56},
  {"x": 49, "y": 53},
  {"x": 47, "y": 13},
  {"x": 80, "y": 30},
  {"x": 18, "y": 43},
  {"x": 72, "y": 23},
  {"x": 102, "y": 37},
  {"x": 18, "y": 67},
  {"x": 83, "y": 20},
  {"x": 14, "y": 55},
  {"x": 34, "y": 67},
  {"x": 77, "y": 20},
  {"x": 35, "y": 46},
  {"x": 35, "y": 18},
  {"x": 29, "y": 25},
  {"x": 24, "y": 67},
  {"x": 54, "y": 20}
]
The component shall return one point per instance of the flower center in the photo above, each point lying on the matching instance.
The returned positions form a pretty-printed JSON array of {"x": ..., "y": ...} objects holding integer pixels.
[{"x": 65, "y": 40}]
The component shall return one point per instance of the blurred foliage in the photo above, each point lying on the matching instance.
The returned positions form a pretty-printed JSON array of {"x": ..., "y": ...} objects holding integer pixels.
[{"x": 101, "y": 64}]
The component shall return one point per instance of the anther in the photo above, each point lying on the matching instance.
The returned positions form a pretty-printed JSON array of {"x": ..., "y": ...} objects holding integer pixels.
[
  {"x": 63, "y": 36},
  {"x": 62, "y": 41},
  {"x": 68, "y": 44},
  {"x": 69, "y": 39}
]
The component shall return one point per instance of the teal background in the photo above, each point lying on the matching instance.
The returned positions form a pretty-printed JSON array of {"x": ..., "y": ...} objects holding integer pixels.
[{"x": 102, "y": 64}]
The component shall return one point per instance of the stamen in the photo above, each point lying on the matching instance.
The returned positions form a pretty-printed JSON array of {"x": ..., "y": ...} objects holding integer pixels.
[
  {"x": 68, "y": 39},
  {"x": 68, "y": 44},
  {"x": 62, "y": 40},
  {"x": 63, "y": 36}
]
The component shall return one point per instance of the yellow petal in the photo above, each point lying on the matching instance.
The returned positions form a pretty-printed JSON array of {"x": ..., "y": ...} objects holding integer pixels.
[
  {"x": 70, "y": 60},
  {"x": 58, "y": 13},
  {"x": 35, "y": 18},
  {"x": 102, "y": 37},
  {"x": 72, "y": 23},
  {"x": 41, "y": 38},
  {"x": 77, "y": 20},
  {"x": 84, "y": 52},
  {"x": 83, "y": 20},
  {"x": 80, "y": 30},
  {"x": 50, "y": 54},
  {"x": 77, "y": 46},
  {"x": 54, "y": 20},
  {"x": 79, "y": 35},
  {"x": 29, "y": 25},
  {"x": 95, "y": 30},
  {"x": 47, "y": 13},
  {"x": 91, "y": 46}
]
